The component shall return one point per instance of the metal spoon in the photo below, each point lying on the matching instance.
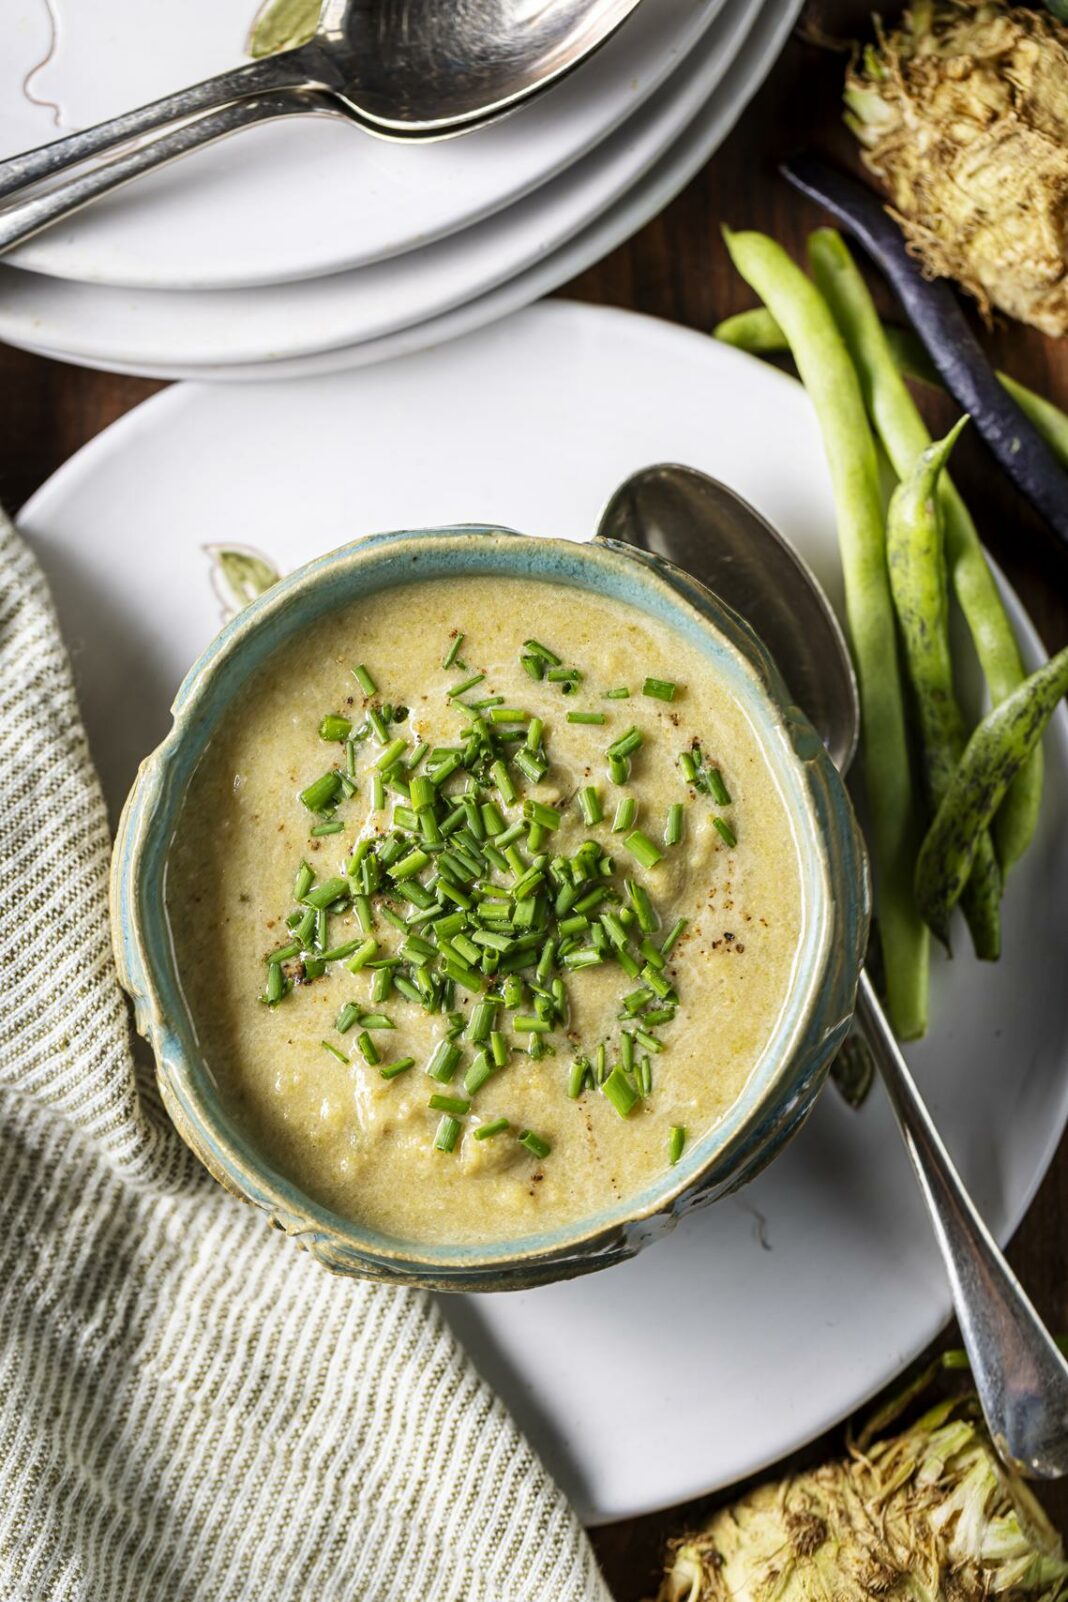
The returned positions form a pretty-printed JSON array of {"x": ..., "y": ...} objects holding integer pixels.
[
  {"x": 681, "y": 514},
  {"x": 406, "y": 69}
]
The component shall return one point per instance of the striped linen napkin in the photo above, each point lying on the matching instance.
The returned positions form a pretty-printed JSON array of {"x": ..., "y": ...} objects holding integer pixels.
[{"x": 191, "y": 1410}]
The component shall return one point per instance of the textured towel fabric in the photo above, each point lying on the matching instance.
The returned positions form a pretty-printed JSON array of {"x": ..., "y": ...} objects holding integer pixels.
[{"x": 191, "y": 1409}]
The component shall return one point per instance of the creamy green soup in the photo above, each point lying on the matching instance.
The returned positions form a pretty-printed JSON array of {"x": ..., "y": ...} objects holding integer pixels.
[{"x": 486, "y": 903}]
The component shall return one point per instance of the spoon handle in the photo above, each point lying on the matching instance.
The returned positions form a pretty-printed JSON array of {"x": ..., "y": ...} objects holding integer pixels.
[
  {"x": 27, "y": 217},
  {"x": 287, "y": 70},
  {"x": 1020, "y": 1375}
]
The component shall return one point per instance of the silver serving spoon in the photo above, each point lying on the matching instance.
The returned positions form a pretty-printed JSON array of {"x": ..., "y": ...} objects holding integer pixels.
[
  {"x": 681, "y": 514},
  {"x": 403, "y": 69}
]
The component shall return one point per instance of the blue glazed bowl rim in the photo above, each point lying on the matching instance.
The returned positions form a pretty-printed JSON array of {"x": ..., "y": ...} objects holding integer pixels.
[{"x": 142, "y": 939}]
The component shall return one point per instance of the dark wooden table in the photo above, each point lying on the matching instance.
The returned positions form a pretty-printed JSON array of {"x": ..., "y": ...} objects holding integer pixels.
[{"x": 676, "y": 268}]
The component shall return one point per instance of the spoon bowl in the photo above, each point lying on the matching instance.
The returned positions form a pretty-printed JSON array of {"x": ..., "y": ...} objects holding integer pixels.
[
  {"x": 705, "y": 528},
  {"x": 420, "y": 67}
]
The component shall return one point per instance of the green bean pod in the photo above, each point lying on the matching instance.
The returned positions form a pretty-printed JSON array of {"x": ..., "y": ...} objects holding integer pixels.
[
  {"x": 831, "y": 381},
  {"x": 903, "y": 432},
  {"x": 916, "y": 557},
  {"x": 756, "y": 332},
  {"x": 994, "y": 755}
]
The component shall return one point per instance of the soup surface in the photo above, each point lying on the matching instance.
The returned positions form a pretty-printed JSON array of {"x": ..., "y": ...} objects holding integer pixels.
[{"x": 462, "y": 974}]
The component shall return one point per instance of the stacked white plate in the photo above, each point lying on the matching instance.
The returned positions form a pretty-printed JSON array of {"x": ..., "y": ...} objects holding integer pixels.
[{"x": 307, "y": 245}]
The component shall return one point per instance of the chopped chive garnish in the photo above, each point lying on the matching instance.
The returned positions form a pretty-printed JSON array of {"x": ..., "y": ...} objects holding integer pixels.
[
  {"x": 548, "y": 817},
  {"x": 393, "y": 753},
  {"x": 325, "y": 894},
  {"x": 466, "y": 684},
  {"x": 347, "y": 1017},
  {"x": 337, "y": 953},
  {"x": 535, "y": 648},
  {"x": 496, "y": 1127},
  {"x": 586, "y": 958},
  {"x": 503, "y": 780},
  {"x": 448, "y": 1133},
  {"x": 445, "y": 769},
  {"x": 531, "y": 766},
  {"x": 480, "y": 1070},
  {"x": 643, "y": 907},
  {"x": 443, "y": 1061},
  {"x": 480, "y": 1025},
  {"x": 422, "y": 793},
  {"x": 334, "y": 1052},
  {"x": 720, "y": 794},
  {"x": 334, "y": 727},
  {"x": 576, "y": 1079},
  {"x": 656, "y": 981},
  {"x": 401, "y": 1066},
  {"x": 626, "y": 812},
  {"x": 454, "y": 650},
  {"x": 725, "y": 832},
  {"x": 367, "y": 1049},
  {"x": 362, "y": 955},
  {"x": 640, "y": 846},
  {"x": 318, "y": 796},
  {"x": 525, "y": 1024},
  {"x": 620, "y": 1092},
  {"x": 480, "y": 900},
  {"x": 590, "y": 805},
  {"x": 626, "y": 745},
  {"x": 450, "y": 1104},
  {"x": 676, "y": 1143},
  {"x": 414, "y": 862},
  {"x": 284, "y": 953}
]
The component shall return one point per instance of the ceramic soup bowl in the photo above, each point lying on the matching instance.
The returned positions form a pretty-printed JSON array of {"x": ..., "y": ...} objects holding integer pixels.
[{"x": 784, "y": 1082}]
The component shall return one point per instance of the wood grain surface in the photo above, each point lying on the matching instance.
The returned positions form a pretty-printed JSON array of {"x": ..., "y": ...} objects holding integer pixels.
[{"x": 677, "y": 268}]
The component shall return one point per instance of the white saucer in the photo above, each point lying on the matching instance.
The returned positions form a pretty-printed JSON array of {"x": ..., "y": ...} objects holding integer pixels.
[{"x": 767, "y": 1318}]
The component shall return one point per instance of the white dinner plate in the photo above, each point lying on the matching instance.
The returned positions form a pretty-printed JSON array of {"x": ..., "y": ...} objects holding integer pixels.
[
  {"x": 766, "y": 1318},
  {"x": 100, "y": 328},
  {"x": 304, "y": 197}
]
